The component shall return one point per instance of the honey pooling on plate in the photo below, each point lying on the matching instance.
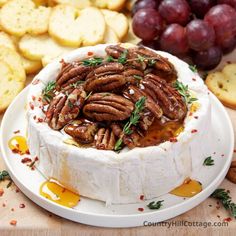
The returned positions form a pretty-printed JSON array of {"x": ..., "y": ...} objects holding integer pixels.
[
  {"x": 58, "y": 194},
  {"x": 188, "y": 189},
  {"x": 18, "y": 144}
]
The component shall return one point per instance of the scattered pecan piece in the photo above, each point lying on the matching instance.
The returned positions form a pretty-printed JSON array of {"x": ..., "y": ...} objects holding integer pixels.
[
  {"x": 62, "y": 109},
  {"x": 106, "y": 139},
  {"x": 166, "y": 96},
  {"x": 134, "y": 94},
  {"x": 108, "y": 107},
  {"x": 71, "y": 73},
  {"x": 106, "y": 77},
  {"x": 82, "y": 130}
]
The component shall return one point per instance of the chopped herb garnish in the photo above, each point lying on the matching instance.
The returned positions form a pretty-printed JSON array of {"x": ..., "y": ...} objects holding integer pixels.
[
  {"x": 184, "y": 92},
  {"x": 110, "y": 59},
  {"x": 155, "y": 205},
  {"x": 151, "y": 62},
  {"x": 226, "y": 200},
  {"x": 48, "y": 91},
  {"x": 138, "y": 77},
  {"x": 93, "y": 61},
  {"x": 193, "y": 68},
  {"x": 141, "y": 58},
  {"x": 76, "y": 84},
  {"x": 4, "y": 175},
  {"x": 123, "y": 57},
  {"x": 87, "y": 97},
  {"x": 70, "y": 104},
  {"x": 208, "y": 161},
  {"x": 133, "y": 120}
]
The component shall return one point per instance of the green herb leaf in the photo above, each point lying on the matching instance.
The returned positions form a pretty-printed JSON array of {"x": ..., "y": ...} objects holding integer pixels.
[
  {"x": 141, "y": 58},
  {"x": 48, "y": 91},
  {"x": 118, "y": 144},
  {"x": 193, "y": 68},
  {"x": 226, "y": 200},
  {"x": 93, "y": 61},
  {"x": 151, "y": 62},
  {"x": 87, "y": 97},
  {"x": 70, "y": 104},
  {"x": 76, "y": 84},
  {"x": 4, "y": 175},
  {"x": 155, "y": 205},
  {"x": 110, "y": 59},
  {"x": 184, "y": 92},
  {"x": 138, "y": 77},
  {"x": 208, "y": 161},
  {"x": 133, "y": 120},
  {"x": 123, "y": 57}
]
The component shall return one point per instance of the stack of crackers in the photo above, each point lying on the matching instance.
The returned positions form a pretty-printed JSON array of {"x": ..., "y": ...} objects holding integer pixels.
[{"x": 35, "y": 32}]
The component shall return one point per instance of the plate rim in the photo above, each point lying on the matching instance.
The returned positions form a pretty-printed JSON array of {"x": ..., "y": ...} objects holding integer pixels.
[{"x": 56, "y": 208}]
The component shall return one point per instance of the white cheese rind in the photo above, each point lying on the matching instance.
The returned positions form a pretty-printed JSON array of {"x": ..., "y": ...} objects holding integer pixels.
[{"x": 106, "y": 175}]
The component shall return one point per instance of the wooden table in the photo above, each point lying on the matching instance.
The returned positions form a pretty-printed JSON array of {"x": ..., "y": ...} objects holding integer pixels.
[{"x": 33, "y": 220}]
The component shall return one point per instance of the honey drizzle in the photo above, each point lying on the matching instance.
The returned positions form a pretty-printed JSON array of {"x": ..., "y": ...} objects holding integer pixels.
[
  {"x": 188, "y": 189},
  {"x": 18, "y": 144}
]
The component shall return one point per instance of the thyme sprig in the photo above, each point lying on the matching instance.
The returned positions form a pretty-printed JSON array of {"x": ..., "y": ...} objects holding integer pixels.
[
  {"x": 193, "y": 68},
  {"x": 4, "y": 175},
  {"x": 155, "y": 205},
  {"x": 133, "y": 120},
  {"x": 48, "y": 91},
  {"x": 95, "y": 61},
  {"x": 208, "y": 161},
  {"x": 224, "y": 197},
  {"x": 184, "y": 92}
]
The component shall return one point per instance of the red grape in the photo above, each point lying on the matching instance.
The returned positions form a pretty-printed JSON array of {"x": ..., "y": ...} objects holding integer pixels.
[
  {"x": 208, "y": 59},
  {"x": 174, "y": 39},
  {"x": 201, "y": 7},
  {"x": 175, "y": 11},
  {"x": 223, "y": 19},
  {"x": 228, "y": 45},
  {"x": 200, "y": 35},
  {"x": 147, "y": 24},
  {"x": 142, "y": 4},
  {"x": 232, "y": 3}
]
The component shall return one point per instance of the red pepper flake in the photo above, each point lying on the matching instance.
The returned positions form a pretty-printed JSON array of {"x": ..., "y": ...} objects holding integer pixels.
[
  {"x": 228, "y": 191},
  {"x": 194, "y": 131},
  {"x": 31, "y": 106},
  {"x": 173, "y": 140},
  {"x": 195, "y": 117},
  {"x": 193, "y": 79},
  {"x": 12, "y": 209},
  {"x": 90, "y": 53},
  {"x": 228, "y": 62},
  {"x": 17, "y": 131},
  {"x": 39, "y": 99},
  {"x": 22, "y": 205},
  {"x": 36, "y": 159},
  {"x": 222, "y": 155},
  {"x": 141, "y": 197},
  {"x": 1, "y": 192},
  {"x": 228, "y": 219},
  {"x": 40, "y": 120},
  {"x": 36, "y": 81},
  {"x": 13, "y": 222},
  {"x": 234, "y": 150},
  {"x": 50, "y": 215},
  {"x": 140, "y": 209},
  {"x": 3, "y": 205},
  {"x": 26, "y": 160},
  {"x": 17, "y": 190},
  {"x": 33, "y": 98},
  {"x": 190, "y": 113},
  {"x": 217, "y": 207},
  {"x": 27, "y": 152}
]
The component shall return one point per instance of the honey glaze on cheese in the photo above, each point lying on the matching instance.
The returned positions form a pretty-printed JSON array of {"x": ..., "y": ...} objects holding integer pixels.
[
  {"x": 18, "y": 144},
  {"x": 158, "y": 133},
  {"x": 188, "y": 189},
  {"x": 55, "y": 192}
]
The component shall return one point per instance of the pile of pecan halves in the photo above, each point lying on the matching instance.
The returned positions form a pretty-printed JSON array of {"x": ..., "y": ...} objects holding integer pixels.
[{"x": 92, "y": 103}]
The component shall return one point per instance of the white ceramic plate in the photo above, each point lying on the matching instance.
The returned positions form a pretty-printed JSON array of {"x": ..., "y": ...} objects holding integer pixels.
[{"x": 94, "y": 212}]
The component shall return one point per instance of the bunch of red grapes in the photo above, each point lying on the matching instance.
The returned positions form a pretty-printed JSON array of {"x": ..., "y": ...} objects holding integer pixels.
[{"x": 200, "y": 29}]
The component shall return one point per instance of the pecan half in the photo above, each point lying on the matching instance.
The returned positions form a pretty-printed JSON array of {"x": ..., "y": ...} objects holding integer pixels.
[
  {"x": 106, "y": 77},
  {"x": 133, "y": 75},
  {"x": 166, "y": 96},
  {"x": 62, "y": 109},
  {"x": 83, "y": 131},
  {"x": 106, "y": 139},
  {"x": 108, "y": 107},
  {"x": 71, "y": 73},
  {"x": 134, "y": 94}
]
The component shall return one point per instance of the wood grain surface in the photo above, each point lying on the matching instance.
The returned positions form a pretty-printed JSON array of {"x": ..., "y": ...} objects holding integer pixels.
[{"x": 33, "y": 220}]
